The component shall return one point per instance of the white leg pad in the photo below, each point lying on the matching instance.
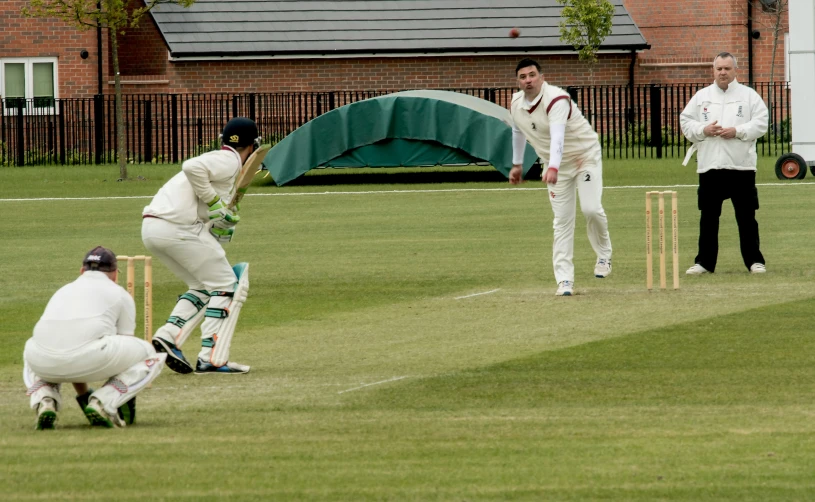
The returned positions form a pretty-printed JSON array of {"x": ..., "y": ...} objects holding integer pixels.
[
  {"x": 223, "y": 337},
  {"x": 189, "y": 327},
  {"x": 123, "y": 387},
  {"x": 186, "y": 316}
]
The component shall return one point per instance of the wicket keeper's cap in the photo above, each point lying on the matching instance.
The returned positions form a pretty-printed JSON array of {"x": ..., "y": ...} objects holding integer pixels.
[
  {"x": 239, "y": 132},
  {"x": 101, "y": 259}
]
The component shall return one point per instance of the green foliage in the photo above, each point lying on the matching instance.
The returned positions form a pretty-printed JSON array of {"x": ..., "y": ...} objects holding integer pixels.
[
  {"x": 84, "y": 14},
  {"x": 585, "y": 24}
]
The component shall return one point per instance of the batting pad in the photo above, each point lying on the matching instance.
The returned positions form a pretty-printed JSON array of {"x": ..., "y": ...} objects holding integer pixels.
[{"x": 223, "y": 337}]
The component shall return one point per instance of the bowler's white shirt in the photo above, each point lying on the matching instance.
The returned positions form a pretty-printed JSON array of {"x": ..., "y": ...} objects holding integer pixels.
[{"x": 91, "y": 307}]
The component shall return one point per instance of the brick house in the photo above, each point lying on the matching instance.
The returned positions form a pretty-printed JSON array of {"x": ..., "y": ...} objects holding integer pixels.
[{"x": 217, "y": 47}]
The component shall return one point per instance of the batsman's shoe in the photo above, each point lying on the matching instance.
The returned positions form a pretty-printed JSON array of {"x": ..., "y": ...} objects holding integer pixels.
[
  {"x": 230, "y": 368},
  {"x": 602, "y": 268},
  {"x": 96, "y": 415},
  {"x": 175, "y": 358},
  {"x": 696, "y": 269},
  {"x": 757, "y": 268},
  {"x": 46, "y": 414},
  {"x": 565, "y": 288}
]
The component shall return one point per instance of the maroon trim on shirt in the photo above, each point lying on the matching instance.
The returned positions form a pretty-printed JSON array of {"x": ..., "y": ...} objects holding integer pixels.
[
  {"x": 150, "y": 216},
  {"x": 549, "y": 108},
  {"x": 532, "y": 108}
]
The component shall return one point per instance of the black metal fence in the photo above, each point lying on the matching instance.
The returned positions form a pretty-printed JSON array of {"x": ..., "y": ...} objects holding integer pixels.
[{"x": 633, "y": 121}]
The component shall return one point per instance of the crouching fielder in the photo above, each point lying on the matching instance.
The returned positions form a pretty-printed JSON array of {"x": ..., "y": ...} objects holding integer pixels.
[
  {"x": 184, "y": 226},
  {"x": 77, "y": 341}
]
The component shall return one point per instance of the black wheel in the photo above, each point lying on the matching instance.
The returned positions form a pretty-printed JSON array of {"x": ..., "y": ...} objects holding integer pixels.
[{"x": 791, "y": 166}]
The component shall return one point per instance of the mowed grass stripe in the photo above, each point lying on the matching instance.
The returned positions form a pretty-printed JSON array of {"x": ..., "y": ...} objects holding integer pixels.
[{"x": 756, "y": 358}]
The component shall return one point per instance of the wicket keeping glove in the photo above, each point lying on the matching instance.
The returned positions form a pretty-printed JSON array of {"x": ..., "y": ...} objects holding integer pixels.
[{"x": 218, "y": 211}]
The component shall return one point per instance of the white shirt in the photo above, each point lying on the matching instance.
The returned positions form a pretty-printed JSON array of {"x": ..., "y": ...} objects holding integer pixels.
[
  {"x": 185, "y": 198},
  {"x": 91, "y": 307},
  {"x": 535, "y": 124},
  {"x": 740, "y": 107}
]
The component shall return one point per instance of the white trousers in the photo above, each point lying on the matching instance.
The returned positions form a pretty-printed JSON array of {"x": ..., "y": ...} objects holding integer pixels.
[
  {"x": 586, "y": 182},
  {"x": 122, "y": 358},
  {"x": 198, "y": 259},
  {"x": 190, "y": 252}
]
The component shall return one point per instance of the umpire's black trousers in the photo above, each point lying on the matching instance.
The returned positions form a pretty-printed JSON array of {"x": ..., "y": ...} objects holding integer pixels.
[{"x": 716, "y": 186}]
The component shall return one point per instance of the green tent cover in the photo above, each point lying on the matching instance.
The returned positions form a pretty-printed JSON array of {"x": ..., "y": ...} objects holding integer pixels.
[{"x": 411, "y": 128}]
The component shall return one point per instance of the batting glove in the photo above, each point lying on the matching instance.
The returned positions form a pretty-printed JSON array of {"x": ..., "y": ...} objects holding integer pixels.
[{"x": 218, "y": 211}]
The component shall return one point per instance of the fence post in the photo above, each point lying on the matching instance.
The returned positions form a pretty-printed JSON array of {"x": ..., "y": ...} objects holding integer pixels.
[
  {"x": 252, "y": 107},
  {"x": 61, "y": 122},
  {"x": 20, "y": 132},
  {"x": 148, "y": 131},
  {"x": 174, "y": 122},
  {"x": 98, "y": 126},
  {"x": 656, "y": 119}
]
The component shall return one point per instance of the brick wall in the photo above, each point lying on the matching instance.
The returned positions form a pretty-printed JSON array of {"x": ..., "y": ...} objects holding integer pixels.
[
  {"x": 384, "y": 73},
  {"x": 684, "y": 34},
  {"x": 34, "y": 37},
  {"x": 141, "y": 49}
]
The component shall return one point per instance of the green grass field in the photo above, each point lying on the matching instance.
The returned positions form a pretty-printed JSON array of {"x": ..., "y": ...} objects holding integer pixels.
[{"x": 406, "y": 344}]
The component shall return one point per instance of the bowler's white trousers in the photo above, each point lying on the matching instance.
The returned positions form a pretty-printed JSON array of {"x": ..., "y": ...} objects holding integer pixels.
[{"x": 585, "y": 182}]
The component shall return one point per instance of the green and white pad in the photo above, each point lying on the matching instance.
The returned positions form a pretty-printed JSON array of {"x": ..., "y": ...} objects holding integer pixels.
[
  {"x": 186, "y": 316},
  {"x": 223, "y": 337}
]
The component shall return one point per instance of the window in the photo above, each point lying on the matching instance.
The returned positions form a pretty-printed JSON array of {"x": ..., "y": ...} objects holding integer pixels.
[{"x": 24, "y": 79}]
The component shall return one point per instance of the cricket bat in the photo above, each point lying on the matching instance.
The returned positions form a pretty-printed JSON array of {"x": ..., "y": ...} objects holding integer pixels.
[{"x": 252, "y": 166}]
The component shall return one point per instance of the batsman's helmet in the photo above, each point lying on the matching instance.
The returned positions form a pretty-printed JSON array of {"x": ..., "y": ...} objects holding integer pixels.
[{"x": 239, "y": 132}]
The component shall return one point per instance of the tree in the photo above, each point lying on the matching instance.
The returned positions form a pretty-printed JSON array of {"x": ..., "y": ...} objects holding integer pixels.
[
  {"x": 116, "y": 16},
  {"x": 585, "y": 24}
]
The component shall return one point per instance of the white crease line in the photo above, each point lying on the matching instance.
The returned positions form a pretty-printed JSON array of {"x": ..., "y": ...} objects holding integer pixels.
[
  {"x": 375, "y": 383},
  {"x": 381, "y": 192},
  {"x": 477, "y": 294}
]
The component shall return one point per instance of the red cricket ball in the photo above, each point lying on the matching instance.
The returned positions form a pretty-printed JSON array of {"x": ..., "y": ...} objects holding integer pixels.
[{"x": 514, "y": 33}]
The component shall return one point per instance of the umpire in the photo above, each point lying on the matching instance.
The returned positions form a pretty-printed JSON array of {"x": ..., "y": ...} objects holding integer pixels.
[{"x": 723, "y": 121}]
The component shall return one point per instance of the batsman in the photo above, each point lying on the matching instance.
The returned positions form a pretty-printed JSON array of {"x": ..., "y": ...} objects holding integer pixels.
[{"x": 184, "y": 226}]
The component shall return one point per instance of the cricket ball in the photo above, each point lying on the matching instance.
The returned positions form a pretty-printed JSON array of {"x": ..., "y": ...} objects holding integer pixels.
[{"x": 514, "y": 33}]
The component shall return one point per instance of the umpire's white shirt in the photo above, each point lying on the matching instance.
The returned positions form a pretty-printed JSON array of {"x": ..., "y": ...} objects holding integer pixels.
[
  {"x": 740, "y": 107},
  {"x": 91, "y": 307}
]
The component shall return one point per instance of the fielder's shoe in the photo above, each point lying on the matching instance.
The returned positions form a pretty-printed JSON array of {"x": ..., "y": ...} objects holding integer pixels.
[
  {"x": 230, "y": 368},
  {"x": 757, "y": 268},
  {"x": 96, "y": 415},
  {"x": 602, "y": 268},
  {"x": 696, "y": 269},
  {"x": 565, "y": 288},
  {"x": 175, "y": 358},
  {"x": 46, "y": 414}
]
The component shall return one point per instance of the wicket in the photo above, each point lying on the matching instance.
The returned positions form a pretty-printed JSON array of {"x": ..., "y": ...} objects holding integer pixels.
[
  {"x": 148, "y": 288},
  {"x": 649, "y": 276}
]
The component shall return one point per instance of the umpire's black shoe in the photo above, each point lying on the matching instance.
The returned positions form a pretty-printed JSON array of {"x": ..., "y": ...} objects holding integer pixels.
[{"x": 175, "y": 358}]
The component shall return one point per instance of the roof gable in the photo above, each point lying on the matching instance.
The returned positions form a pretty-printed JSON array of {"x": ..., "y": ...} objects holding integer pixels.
[{"x": 323, "y": 28}]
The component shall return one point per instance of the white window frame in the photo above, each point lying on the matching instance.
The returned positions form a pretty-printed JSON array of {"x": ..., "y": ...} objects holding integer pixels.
[{"x": 29, "y": 83}]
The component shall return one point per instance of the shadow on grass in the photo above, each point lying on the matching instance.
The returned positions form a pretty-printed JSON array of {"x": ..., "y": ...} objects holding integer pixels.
[{"x": 406, "y": 176}]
